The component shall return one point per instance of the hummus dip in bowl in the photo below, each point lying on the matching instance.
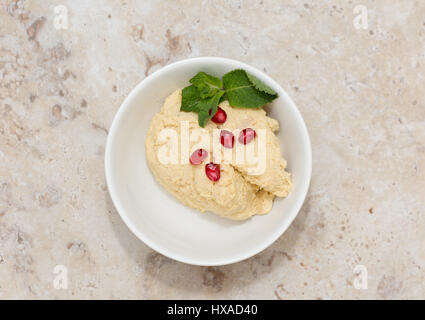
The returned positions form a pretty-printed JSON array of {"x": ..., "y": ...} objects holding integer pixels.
[{"x": 160, "y": 220}]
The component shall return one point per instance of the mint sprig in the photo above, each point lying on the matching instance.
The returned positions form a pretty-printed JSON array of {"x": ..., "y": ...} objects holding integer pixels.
[{"x": 243, "y": 90}]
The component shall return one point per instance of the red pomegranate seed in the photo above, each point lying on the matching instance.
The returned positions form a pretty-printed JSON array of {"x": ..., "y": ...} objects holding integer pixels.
[
  {"x": 212, "y": 171},
  {"x": 227, "y": 139},
  {"x": 220, "y": 116},
  {"x": 198, "y": 156},
  {"x": 247, "y": 135}
]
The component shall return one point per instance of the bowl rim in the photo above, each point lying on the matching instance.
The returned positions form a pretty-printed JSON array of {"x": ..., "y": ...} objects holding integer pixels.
[{"x": 120, "y": 208}]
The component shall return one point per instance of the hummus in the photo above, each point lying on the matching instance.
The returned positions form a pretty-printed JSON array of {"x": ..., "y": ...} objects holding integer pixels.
[{"x": 238, "y": 194}]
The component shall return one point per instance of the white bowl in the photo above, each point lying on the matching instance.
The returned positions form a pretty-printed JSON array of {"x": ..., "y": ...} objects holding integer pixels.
[{"x": 163, "y": 223}]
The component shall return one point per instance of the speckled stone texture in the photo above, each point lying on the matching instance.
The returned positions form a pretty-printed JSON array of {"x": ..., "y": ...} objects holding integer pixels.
[{"x": 361, "y": 92}]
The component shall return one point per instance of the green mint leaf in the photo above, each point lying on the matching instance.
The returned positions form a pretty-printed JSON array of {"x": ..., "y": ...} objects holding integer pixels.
[
  {"x": 259, "y": 85},
  {"x": 190, "y": 99},
  {"x": 206, "y": 84},
  {"x": 193, "y": 102},
  {"x": 207, "y": 105},
  {"x": 243, "y": 93}
]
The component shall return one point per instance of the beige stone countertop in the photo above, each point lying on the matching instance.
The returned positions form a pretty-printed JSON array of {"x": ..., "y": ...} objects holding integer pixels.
[{"x": 356, "y": 73}]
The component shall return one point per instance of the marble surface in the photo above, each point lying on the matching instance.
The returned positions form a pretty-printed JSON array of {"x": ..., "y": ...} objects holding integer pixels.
[{"x": 360, "y": 90}]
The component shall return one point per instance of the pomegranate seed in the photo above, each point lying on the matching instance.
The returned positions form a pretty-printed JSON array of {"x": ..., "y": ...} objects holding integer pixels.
[
  {"x": 198, "y": 156},
  {"x": 227, "y": 139},
  {"x": 212, "y": 171},
  {"x": 220, "y": 116},
  {"x": 247, "y": 135}
]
